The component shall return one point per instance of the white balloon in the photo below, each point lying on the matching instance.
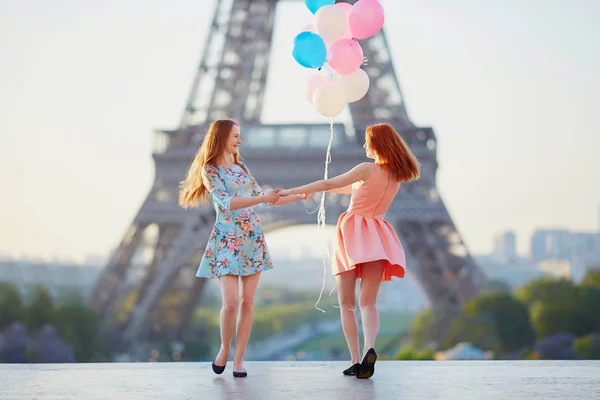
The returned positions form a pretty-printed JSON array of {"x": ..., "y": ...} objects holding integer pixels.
[
  {"x": 313, "y": 84},
  {"x": 330, "y": 23},
  {"x": 354, "y": 85},
  {"x": 329, "y": 100}
]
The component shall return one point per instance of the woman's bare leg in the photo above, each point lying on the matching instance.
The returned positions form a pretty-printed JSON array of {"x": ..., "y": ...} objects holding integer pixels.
[
  {"x": 230, "y": 300},
  {"x": 369, "y": 288},
  {"x": 346, "y": 286},
  {"x": 244, "y": 326}
]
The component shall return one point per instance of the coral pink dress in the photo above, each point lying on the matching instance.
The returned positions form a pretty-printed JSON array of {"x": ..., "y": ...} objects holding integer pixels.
[{"x": 363, "y": 235}]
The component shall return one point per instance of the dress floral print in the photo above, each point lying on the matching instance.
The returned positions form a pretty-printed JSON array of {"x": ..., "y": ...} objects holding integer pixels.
[{"x": 237, "y": 244}]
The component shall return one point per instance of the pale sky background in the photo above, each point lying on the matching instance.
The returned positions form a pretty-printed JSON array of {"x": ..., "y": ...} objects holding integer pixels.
[{"x": 511, "y": 88}]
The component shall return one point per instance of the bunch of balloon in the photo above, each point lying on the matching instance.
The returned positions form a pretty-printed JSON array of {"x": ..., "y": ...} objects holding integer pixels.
[{"x": 330, "y": 45}]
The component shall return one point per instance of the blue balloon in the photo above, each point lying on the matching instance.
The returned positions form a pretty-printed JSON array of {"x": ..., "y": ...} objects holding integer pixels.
[
  {"x": 314, "y": 5},
  {"x": 309, "y": 50}
]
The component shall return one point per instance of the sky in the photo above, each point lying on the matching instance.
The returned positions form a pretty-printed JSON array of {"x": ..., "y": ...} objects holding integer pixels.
[{"x": 510, "y": 87}]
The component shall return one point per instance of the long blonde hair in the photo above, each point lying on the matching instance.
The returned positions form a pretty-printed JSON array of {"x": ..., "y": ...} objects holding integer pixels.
[
  {"x": 393, "y": 152},
  {"x": 192, "y": 190}
]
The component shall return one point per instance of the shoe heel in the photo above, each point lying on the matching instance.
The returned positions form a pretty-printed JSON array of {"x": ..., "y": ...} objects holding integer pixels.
[
  {"x": 367, "y": 367},
  {"x": 242, "y": 374}
]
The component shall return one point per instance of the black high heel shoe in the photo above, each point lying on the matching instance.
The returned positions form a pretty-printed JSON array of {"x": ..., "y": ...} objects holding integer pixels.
[
  {"x": 218, "y": 369},
  {"x": 242, "y": 374},
  {"x": 352, "y": 370},
  {"x": 367, "y": 367}
]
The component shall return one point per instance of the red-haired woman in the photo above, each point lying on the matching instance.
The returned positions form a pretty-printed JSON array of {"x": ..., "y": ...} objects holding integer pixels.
[{"x": 367, "y": 247}]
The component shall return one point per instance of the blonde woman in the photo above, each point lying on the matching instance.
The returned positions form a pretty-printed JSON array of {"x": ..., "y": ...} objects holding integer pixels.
[{"x": 236, "y": 252}]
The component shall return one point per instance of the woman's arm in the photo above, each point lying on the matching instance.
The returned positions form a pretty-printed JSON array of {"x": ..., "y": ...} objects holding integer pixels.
[
  {"x": 342, "y": 190},
  {"x": 245, "y": 202},
  {"x": 289, "y": 199},
  {"x": 359, "y": 173},
  {"x": 219, "y": 194}
]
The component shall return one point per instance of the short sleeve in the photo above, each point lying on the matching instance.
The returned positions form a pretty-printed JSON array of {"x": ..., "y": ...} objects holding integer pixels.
[{"x": 216, "y": 187}]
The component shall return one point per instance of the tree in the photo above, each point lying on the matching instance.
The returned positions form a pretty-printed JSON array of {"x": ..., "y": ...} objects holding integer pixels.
[
  {"x": 407, "y": 353},
  {"x": 578, "y": 315},
  {"x": 588, "y": 314},
  {"x": 430, "y": 329},
  {"x": 509, "y": 317},
  {"x": 499, "y": 285},
  {"x": 477, "y": 329},
  {"x": 78, "y": 326},
  {"x": 39, "y": 310},
  {"x": 588, "y": 347},
  {"x": 11, "y": 305},
  {"x": 591, "y": 278},
  {"x": 548, "y": 318},
  {"x": 548, "y": 290}
]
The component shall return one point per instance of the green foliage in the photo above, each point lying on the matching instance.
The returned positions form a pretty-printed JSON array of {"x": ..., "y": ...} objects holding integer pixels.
[
  {"x": 274, "y": 295},
  {"x": 278, "y": 319},
  {"x": 11, "y": 305},
  {"x": 547, "y": 290},
  {"x": 429, "y": 329},
  {"x": 591, "y": 278},
  {"x": 196, "y": 350},
  {"x": 409, "y": 353},
  {"x": 477, "y": 329},
  {"x": 577, "y": 313},
  {"x": 507, "y": 317},
  {"x": 39, "y": 310},
  {"x": 549, "y": 318},
  {"x": 498, "y": 285},
  {"x": 588, "y": 347},
  {"x": 588, "y": 310},
  {"x": 78, "y": 326}
]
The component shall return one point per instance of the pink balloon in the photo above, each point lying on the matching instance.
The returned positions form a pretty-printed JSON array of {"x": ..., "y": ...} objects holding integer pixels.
[
  {"x": 345, "y": 56},
  {"x": 365, "y": 19},
  {"x": 315, "y": 82},
  {"x": 346, "y": 7}
]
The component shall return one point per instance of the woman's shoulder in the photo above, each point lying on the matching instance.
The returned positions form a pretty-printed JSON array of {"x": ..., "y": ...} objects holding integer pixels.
[
  {"x": 210, "y": 171},
  {"x": 210, "y": 168},
  {"x": 367, "y": 167}
]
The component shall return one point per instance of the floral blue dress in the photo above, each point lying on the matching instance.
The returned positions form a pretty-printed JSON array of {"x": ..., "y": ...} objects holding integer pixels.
[{"x": 237, "y": 244}]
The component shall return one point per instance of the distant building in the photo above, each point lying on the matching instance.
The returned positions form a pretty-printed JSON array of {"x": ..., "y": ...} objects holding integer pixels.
[
  {"x": 550, "y": 245},
  {"x": 556, "y": 268},
  {"x": 515, "y": 274},
  {"x": 580, "y": 249},
  {"x": 505, "y": 246},
  {"x": 59, "y": 279}
]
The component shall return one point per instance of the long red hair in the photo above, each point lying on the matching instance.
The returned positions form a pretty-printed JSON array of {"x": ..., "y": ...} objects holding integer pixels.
[
  {"x": 192, "y": 190},
  {"x": 393, "y": 152}
]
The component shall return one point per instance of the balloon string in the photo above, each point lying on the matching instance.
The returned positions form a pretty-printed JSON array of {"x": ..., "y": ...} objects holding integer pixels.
[{"x": 321, "y": 218}]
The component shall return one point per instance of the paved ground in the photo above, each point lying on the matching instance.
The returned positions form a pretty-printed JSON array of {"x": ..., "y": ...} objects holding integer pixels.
[{"x": 487, "y": 380}]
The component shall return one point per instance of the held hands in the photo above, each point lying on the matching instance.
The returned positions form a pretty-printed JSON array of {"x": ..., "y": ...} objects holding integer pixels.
[
  {"x": 277, "y": 196},
  {"x": 286, "y": 193},
  {"x": 272, "y": 196}
]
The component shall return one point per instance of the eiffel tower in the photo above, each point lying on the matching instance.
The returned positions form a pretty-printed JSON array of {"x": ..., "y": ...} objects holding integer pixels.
[{"x": 150, "y": 278}]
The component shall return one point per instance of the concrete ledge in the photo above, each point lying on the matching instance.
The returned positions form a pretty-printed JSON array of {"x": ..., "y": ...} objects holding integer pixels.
[{"x": 488, "y": 380}]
